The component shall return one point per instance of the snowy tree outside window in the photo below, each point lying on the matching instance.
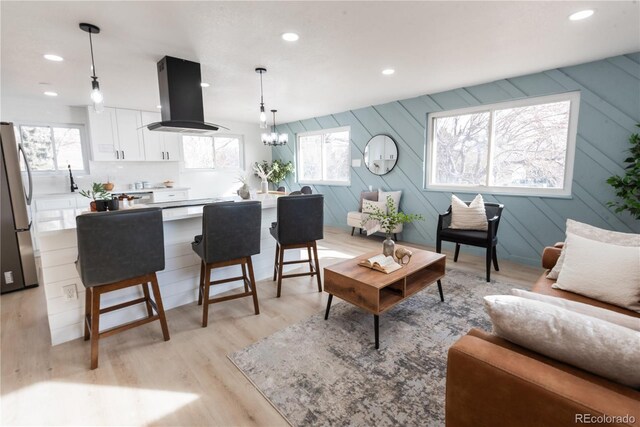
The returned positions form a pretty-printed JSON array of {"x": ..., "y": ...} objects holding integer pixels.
[
  {"x": 52, "y": 148},
  {"x": 324, "y": 157},
  {"x": 518, "y": 147},
  {"x": 206, "y": 152}
]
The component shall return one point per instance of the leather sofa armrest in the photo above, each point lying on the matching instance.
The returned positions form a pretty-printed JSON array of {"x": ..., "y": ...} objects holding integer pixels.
[
  {"x": 550, "y": 256},
  {"x": 490, "y": 385}
]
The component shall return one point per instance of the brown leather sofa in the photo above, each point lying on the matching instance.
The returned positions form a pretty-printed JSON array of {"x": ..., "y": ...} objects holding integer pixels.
[{"x": 492, "y": 382}]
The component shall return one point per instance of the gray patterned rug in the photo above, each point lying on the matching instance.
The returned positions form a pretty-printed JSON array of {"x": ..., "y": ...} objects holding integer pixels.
[{"x": 321, "y": 372}]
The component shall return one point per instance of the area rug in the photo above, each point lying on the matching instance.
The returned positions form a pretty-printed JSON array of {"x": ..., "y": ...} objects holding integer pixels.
[{"x": 328, "y": 373}]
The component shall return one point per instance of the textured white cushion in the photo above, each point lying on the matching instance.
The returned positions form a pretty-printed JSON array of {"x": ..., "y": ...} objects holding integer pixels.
[
  {"x": 369, "y": 206},
  {"x": 582, "y": 308},
  {"x": 595, "y": 345},
  {"x": 603, "y": 271},
  {"x": 472, "y": 217},
  {"x": 395, "y": 196},
  {"x": 593, "y": 233}
]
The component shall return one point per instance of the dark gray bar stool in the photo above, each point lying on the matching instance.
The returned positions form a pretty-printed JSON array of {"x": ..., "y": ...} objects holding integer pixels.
[
  {"x": 117, "y": 250},
  {"x": 299, "y": 225},
  {"x": 230, "y": 235}
]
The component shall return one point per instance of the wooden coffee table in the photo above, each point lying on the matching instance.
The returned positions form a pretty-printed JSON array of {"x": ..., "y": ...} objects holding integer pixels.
[{"x": 377, "y": 292}]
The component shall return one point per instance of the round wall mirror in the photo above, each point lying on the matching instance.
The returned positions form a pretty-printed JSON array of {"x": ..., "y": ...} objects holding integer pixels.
[{"x": 381, "y": 154}]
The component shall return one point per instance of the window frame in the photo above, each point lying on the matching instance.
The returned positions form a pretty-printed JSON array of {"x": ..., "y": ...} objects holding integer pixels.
[
  {"x": 322, "y": 133},
  {"x": 564, "y": 192},
  {"x": 183, "y": 162},
  {"x": 84, "y": 146}
]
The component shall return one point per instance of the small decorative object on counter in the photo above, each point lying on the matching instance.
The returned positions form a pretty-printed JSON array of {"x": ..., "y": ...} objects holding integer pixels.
[
  {"x": 245, "y": 191},
  {"x": 403, "y": 255},
  {"x": 99, "y": 195},
  {"x": 387, "y": 220},
  {"x": 138, "y": 185},
  {"x": 168, "y": 184},
  {"x": 108, "y": 185},
  {"x": 146, "y": 184}
]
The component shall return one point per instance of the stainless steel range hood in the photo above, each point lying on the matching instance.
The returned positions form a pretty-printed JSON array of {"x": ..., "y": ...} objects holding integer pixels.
[{"x": 181, "y": 98}]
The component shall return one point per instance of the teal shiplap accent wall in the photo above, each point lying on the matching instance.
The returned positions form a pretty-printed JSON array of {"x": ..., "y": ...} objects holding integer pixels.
[{"x": 609, "y": 110}]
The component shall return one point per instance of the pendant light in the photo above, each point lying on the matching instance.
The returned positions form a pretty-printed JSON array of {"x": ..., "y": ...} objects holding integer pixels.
[
  {"x": 274, "y": 138},
  {"x": 96, "y": 94},
  {"x": 263, "y": 116}
]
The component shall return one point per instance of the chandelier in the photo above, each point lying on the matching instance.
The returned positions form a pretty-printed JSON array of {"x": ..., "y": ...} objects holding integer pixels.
[{"x": 274, "y": 138}]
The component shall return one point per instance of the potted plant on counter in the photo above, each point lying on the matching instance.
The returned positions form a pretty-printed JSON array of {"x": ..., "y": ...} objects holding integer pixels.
[
  {"x": 276, "y": 172},
  {"x": 100, "y": 197}
]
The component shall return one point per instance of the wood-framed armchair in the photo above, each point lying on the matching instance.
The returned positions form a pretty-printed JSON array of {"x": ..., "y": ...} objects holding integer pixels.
[{"x": 482, "y": 238}]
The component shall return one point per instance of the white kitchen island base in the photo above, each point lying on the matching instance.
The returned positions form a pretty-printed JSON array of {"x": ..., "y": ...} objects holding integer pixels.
[{"x": 178, "y": 281}]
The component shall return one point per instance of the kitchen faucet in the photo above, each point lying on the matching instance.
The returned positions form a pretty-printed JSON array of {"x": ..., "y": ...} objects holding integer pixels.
[{"x": 74, "y": 186}]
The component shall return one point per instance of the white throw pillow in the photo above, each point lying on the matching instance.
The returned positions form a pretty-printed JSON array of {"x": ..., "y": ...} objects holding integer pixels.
[
  {"x": 603, "y": 271},
  {"x": 593, "y": 233},
  {"x": 370, "y": 206},
  {"x": 595, "y": 345},
  {"x": 472, "y": 217},
  {"x": 579, "y": 307},
  {"x": 395, "y": 196}
]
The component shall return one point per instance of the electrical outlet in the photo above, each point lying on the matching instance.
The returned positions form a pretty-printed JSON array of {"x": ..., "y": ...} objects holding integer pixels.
[
  {"x": 8, "y": 277},
  {"x": 70, "y": 292}
]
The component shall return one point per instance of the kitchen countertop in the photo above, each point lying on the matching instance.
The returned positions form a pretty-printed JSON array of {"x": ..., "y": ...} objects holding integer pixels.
[
  {"x": 115, "y": 191},
  {"x": 65, "y": 219}
]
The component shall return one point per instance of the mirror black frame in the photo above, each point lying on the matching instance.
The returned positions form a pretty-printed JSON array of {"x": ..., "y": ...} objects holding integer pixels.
[{"x": 397, "y": 153}]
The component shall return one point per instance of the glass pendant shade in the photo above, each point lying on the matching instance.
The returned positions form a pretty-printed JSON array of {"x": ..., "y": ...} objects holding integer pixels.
[
  {"x": 97, "y": 97},
  {"x": 263, "y": 118}
]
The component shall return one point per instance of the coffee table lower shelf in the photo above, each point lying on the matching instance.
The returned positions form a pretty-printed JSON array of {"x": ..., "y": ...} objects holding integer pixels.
[{"x": 377, "y": 292}]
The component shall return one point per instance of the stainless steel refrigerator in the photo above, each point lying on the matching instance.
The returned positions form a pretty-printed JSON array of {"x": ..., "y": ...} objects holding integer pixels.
[{"x": 17, "y": 262}]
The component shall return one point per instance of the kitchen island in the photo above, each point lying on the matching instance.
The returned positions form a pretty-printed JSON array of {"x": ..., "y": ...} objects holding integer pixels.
[{"x": 178, "y": 281}]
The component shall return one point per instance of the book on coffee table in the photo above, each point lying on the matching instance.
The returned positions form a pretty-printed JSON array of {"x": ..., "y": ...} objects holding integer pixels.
[{"x": 385, "y": 264}]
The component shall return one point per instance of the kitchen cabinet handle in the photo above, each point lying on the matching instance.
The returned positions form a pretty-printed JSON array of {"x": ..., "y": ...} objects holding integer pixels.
[
  {"x": 163, "y": 155},
  {"x": 167, "y": 155},
  {"x": 117, "y": 154},
  {"x": 122, "y": 154}
]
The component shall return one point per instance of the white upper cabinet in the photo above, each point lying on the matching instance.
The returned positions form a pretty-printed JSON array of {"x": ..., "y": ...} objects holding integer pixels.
[
  {"x": 159, "y": 146},
  {"x": 116, "y": 134},
  {"x": 103, "y": 134},
  {"x": 130, "y": 134}
]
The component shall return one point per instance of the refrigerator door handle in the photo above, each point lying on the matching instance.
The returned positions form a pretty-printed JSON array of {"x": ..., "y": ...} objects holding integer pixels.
[{"x": 29, "y": 196}]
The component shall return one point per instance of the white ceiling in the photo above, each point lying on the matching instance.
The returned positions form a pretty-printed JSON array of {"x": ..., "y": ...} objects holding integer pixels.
[{"x": 336, "y": 65}]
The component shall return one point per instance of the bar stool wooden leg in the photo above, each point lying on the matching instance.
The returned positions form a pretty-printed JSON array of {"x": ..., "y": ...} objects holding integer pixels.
[
  {"x": 205, "y": 296},
  {"x": 201, "y": 283},
  {"x": 245, "y": 277},
  {"x": 159, "y": 306},
  {"x": 315, "y": 255},
  {"x": 275, "y": 262},
  {"x": 280, "y": 270},
  {"x": 309, "y": 254},
  {"x": 95, "y": 326},
  {"x": 254, "y": 291},
  {"x": 147, "y": 297},
  {"x": 87, "y": 313}
]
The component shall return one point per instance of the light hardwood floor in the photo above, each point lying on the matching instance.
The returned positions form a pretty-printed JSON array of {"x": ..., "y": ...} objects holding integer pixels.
[{"x": 188, "y": 380}]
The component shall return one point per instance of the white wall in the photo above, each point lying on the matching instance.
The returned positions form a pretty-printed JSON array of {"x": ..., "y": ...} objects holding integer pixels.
[{"x": 202, "y": 184}]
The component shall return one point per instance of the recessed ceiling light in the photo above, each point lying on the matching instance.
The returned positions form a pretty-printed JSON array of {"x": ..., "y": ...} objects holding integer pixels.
[
  {"x": 49, "y": 93},
  {"x": 158, "y": 106},
  {"x": 290, "y": 37},
  {"x": 583, "y": 14},
  {"x": 205, "y": 84},
  {"x": 54, "y": 58},
  {"x": 388, "y": 71}
]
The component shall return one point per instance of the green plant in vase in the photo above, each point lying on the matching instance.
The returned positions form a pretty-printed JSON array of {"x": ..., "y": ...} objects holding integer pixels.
[
  {"x": 277, "y": 171},
  {"x": 96, "y": 193},
  {"x": 628, "y": 186},
  {"x": 388, "y": 221}
]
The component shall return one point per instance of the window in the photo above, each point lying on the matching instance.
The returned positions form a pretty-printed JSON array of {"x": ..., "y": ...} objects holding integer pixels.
[
  {"x": 324, "y": 157},
  {"x": 206, "y": 152},
  {"x": 519, "y": 147},
  {"x": 51, "y": 148}
]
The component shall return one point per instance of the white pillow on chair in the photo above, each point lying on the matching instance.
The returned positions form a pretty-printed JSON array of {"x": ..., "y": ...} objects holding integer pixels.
[
  {"x": 370, "y": 206},
  {"x": 395, "y": 196},
  {"x": 472, "y": 217}
]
